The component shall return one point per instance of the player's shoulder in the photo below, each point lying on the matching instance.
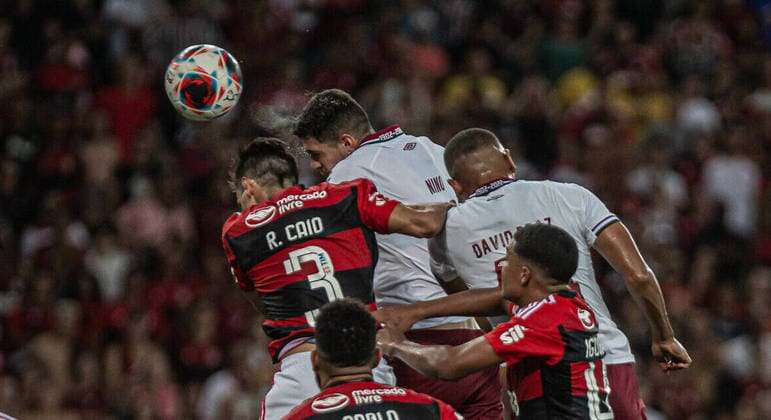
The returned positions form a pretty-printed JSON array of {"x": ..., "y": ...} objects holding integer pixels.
[
  {"x": 549, "y": 312},
  {"x": 346, "y": 186},
  {"x": 230, "y": 223},
  {"x": 574, "y": 312}
]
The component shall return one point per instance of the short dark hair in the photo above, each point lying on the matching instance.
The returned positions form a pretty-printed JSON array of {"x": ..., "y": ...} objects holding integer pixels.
[
  {"x": 551, "y": 248},
  {"x": 328, "y": 114},
  {"x": 345, "y": 333},
  {"x": 465, "y": 142},
  {"x": 266, "y": 159}
]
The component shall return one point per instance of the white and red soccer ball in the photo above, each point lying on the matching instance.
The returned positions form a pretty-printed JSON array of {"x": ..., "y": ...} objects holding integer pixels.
[{"x": 203, "y": 82}]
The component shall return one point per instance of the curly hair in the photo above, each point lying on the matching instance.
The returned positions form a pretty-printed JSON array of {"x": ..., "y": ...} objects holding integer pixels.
[
  {"x": 550, "y": 248},
  {"x": 345, "y": 333}
]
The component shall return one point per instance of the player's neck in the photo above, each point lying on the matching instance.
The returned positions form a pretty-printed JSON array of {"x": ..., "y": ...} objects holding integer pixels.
[
  {"x": 272, "y": 190},
  {"x": 531, "y": 295},
  {"x": 489, "y": 177},
  {"x": 334, "y": 380}
]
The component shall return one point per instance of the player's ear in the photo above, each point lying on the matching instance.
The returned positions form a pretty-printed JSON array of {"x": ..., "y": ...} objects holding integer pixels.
[
  {"x": 315, "y": 360},
  {"x": 348, "y": 141},
  {"x": 510, "y": 161},
  {"x": 525, "y": 275},
  {"x": 455, "y": 186},
  {"x": 253, "y": 189}
]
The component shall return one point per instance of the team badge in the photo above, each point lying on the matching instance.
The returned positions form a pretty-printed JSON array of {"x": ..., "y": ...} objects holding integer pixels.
[
  {"x": 260, "y": 216},
  {"x": 377, "y": 198},
  {"x": 329, "y": 403},
  {"x": 586, "y": 319}
]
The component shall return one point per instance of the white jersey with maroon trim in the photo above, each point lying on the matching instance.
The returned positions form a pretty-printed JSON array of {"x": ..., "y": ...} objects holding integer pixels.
[
  {"x": 410, "y": 169},
  {"x": 478, "y": 231}
]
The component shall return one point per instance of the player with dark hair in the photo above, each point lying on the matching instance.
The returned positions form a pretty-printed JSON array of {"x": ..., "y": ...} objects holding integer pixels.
[
  {"x": 343, "y": 361},
  {"x": 478, "y": 231},
  {"x": 550, "y": 344},
  {"x": 342, "y": 144},
  {"x": 293, "y": 250}
]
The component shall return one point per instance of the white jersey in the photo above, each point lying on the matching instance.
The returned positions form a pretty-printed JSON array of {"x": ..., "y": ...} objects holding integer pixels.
[
  {"x": 411, "y": 170},
  {"x": 478, "y": 231}
]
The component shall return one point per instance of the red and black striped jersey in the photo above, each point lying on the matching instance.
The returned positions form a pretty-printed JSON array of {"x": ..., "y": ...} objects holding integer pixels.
[
  {"x": 304, "y": 248},
  {"x": 371, "y": 400},
  {"x": 555, "y": 362}
]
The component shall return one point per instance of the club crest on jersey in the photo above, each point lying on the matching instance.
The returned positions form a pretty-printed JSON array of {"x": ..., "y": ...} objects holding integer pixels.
[
  {"x": 329, "y": 403},
  {"x": 586, "y": 319},
  {"x": 377, "y": 198},
  {"x": 260, "y": 216}
]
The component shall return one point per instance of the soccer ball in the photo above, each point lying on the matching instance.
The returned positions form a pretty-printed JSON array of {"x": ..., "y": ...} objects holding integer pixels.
[{"x": 203, "y": 82}]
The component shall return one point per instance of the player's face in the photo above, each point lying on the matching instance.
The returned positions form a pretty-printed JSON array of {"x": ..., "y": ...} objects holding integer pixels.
[
  {"x": 324, "y": 156},
  {"x": 511, "y": 273}
]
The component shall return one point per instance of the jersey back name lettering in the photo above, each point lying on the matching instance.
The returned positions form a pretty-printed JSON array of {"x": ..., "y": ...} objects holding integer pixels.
[{"x": 304, "y": 248}]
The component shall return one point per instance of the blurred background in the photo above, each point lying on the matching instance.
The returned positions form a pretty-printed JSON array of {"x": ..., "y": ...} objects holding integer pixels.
[{"x": 115, "y": 300}]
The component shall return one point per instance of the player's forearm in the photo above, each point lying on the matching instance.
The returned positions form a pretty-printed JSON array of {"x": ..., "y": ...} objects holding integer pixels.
[
  {"x": 432, "y": 217},
  {"x": 419, "y": 220},
  {"x": 430, "y": 361},
  {"x": 617, "y": 246},
  {"x": 646, "y": 292},
  {"x": 474, "y": 302}
]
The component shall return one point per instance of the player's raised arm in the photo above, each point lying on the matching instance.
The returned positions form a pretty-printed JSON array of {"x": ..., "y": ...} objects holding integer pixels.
[
  {"x": 617, "y": 246},
  {"x": 475, "y": 302},
  {"x": 442, "y": 362}
]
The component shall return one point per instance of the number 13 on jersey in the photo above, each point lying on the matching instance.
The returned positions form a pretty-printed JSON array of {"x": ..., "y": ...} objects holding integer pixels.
[{"x": 323, "y": 278}]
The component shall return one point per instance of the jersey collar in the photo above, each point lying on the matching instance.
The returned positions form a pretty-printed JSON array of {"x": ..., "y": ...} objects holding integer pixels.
[
  {"x": 388, "y": 133},
  {"x": 490, "y": 187}
]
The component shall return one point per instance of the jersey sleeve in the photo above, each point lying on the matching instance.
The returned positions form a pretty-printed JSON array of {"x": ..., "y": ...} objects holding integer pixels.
[
  {"x": 374, "y": 208},
  {"x": 344, "y": 171},
  {"x": 441, "y": 265},
  {"x": 241, "y": 279},
  {"x": 519, "y": 339},
  {"x": 595, "y": 215}
]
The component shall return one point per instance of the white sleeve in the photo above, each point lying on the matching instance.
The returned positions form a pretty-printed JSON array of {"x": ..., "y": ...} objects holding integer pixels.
[
  {"x": 596, "y": 216},
  {"x": 441, "y": 265},
  {"x": 344, "y": 172}
]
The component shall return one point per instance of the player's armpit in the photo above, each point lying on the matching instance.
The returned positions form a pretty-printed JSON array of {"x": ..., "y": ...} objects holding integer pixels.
[
  {"x": 617, "y": 246},
  {"x": 422, "y": 221},
  {"x": 444, "y": 362}
]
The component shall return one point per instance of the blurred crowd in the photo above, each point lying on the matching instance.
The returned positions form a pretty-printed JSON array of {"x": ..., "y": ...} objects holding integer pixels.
[{"x": 115, "y": 300}]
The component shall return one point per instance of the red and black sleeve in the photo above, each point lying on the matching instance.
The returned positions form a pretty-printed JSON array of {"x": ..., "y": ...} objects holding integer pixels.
[{"x": 374, "y": 208}]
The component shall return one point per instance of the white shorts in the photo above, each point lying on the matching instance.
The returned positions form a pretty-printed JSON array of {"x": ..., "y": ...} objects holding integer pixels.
[{"x": 295, "y": 382}]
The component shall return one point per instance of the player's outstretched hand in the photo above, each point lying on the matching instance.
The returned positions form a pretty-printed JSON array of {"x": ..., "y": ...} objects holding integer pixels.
[
  {"x": 387, "y": 337},
  {"x": 398, "y": 317},
  {"x": 671, "y": 355}
]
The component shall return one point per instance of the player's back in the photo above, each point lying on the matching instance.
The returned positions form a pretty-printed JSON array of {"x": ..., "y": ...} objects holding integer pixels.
[
  {"x": 304, "y": 248},
  {"x": 555, "y": 362},
  {"x": 370, "y": 400},
  {"x": 409, "y": 169},
  {"x": 478, "y": 231}
]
